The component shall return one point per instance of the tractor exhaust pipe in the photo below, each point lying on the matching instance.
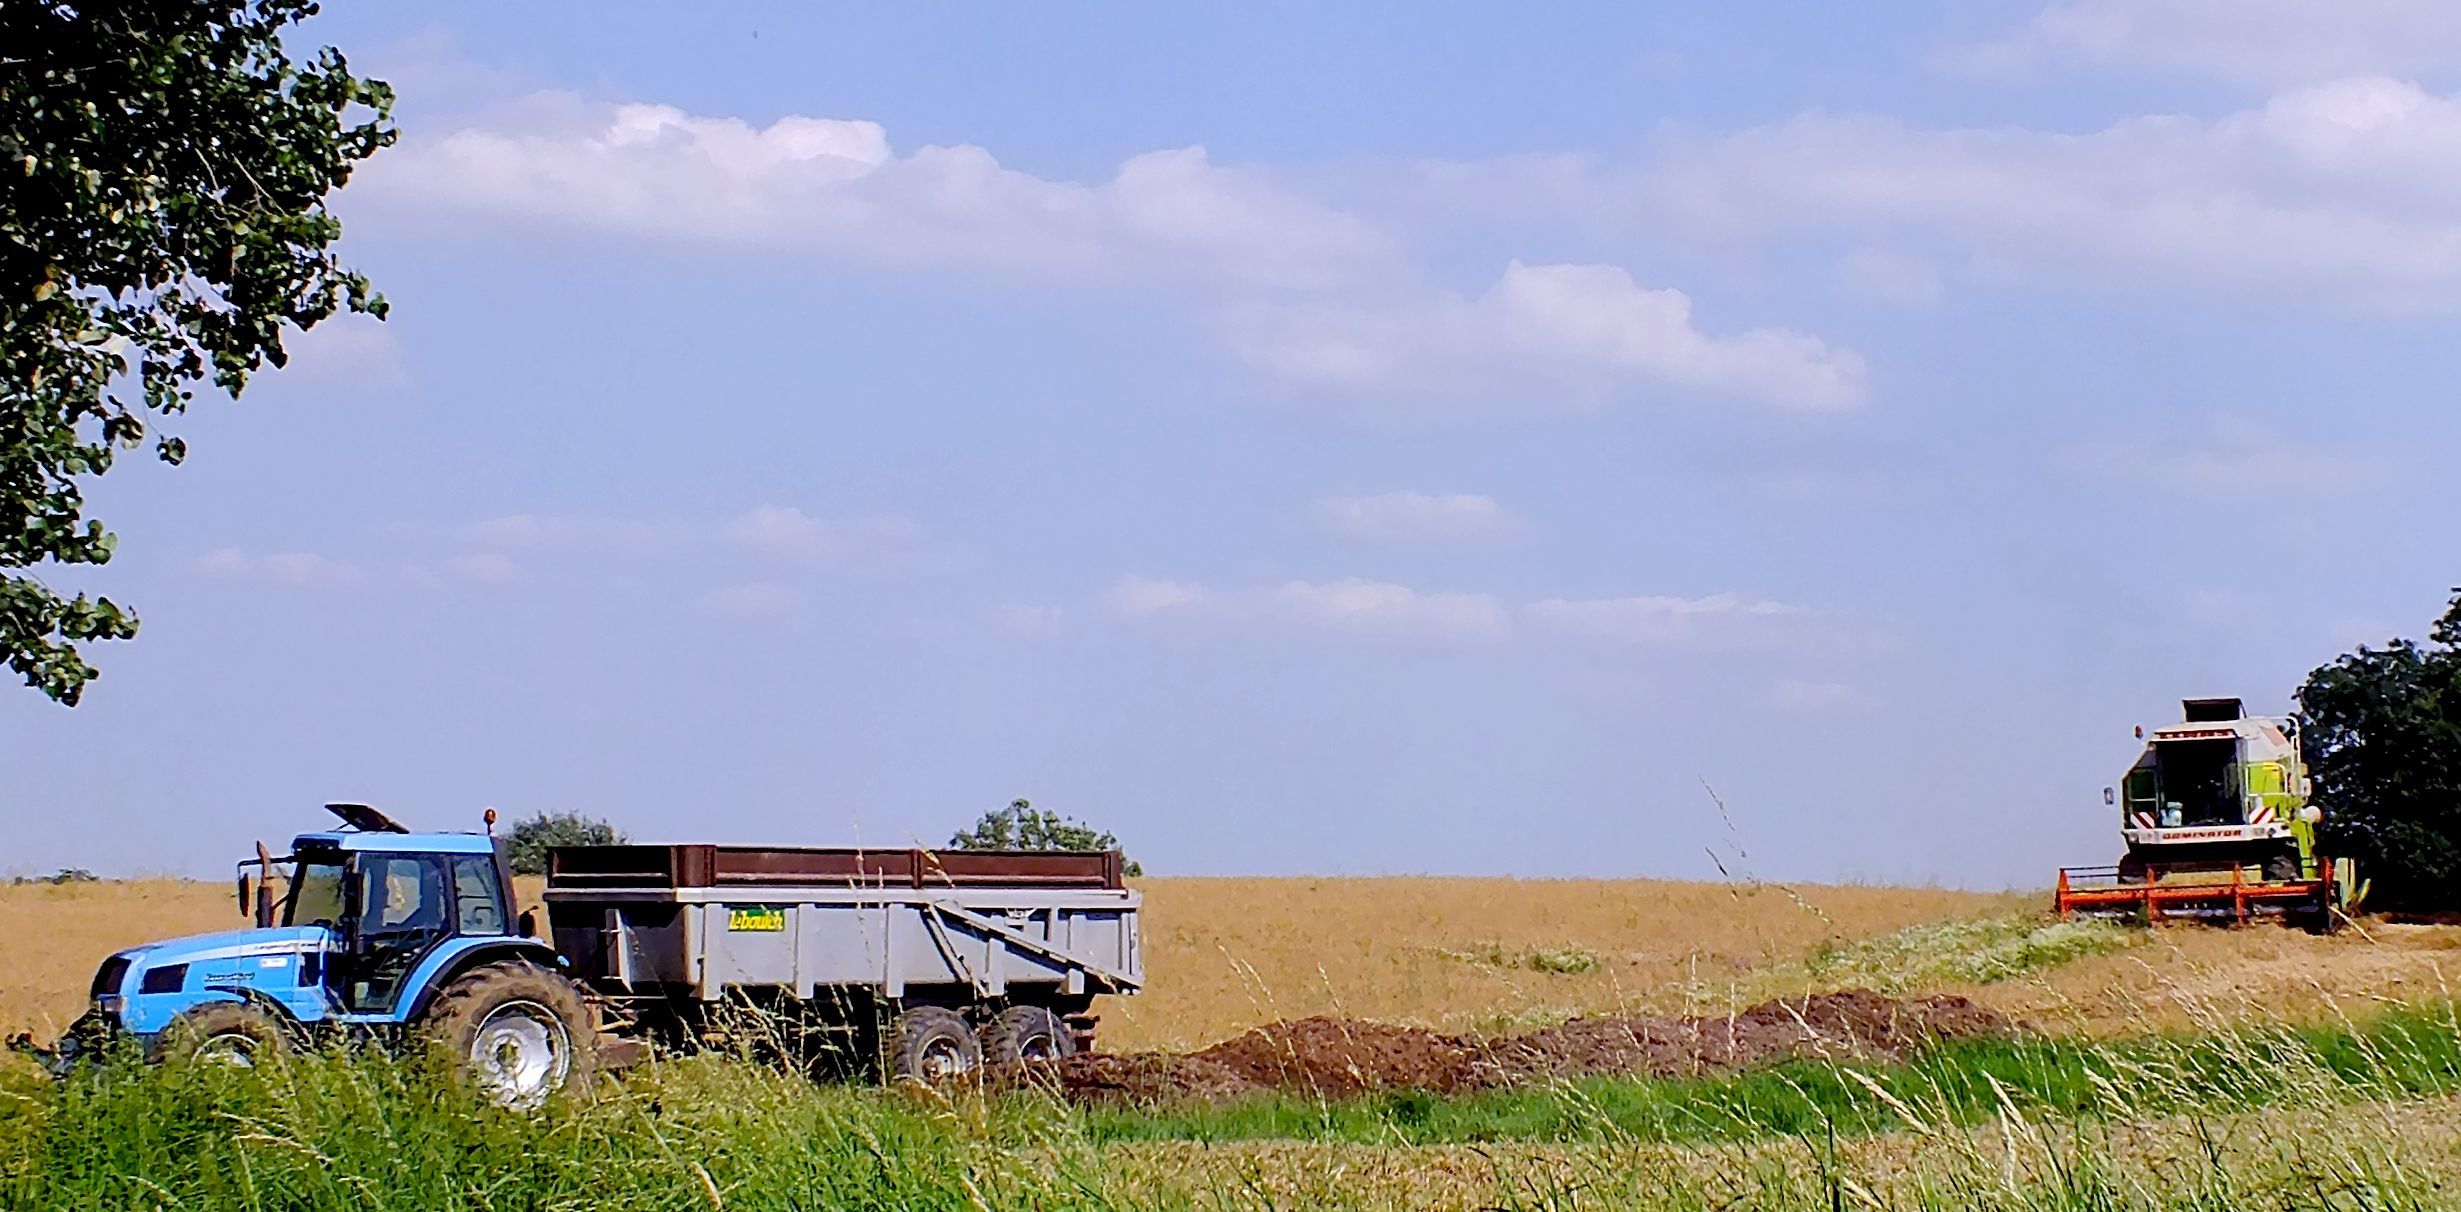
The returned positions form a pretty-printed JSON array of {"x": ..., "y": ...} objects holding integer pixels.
[{"x": 264, "y": 887}]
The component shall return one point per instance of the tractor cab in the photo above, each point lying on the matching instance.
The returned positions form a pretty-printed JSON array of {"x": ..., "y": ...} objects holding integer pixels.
[
  {"x": 380, "y": 899},
  {"x": 377, "y": 933},
  {"x": 358, "y": 927}
]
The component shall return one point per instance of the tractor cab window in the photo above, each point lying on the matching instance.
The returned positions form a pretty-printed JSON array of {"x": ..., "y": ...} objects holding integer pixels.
[
  {"x": 406, "y": 907},
  {"x": 405, "y": 894},
  {"x": 479, "y": 901},
  {"x": 315, "y": 896}
]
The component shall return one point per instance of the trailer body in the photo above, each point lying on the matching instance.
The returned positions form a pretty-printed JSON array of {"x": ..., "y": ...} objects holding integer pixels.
[{"x": 856, "y": 940}]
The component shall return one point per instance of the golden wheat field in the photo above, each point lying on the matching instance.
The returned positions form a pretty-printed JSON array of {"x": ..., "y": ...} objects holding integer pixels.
[{"x": 1483, "y": 955}]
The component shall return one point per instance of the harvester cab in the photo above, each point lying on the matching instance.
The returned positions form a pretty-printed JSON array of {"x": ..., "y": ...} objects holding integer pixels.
[
  {"x": 376, "y": 931},
  {"x": 2216, "y": 821},
  {"x": 2222, "y": 788}
]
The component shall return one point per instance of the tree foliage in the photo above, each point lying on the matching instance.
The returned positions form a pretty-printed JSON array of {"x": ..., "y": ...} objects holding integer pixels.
[
  {"x": 164, "y": 166},
  {"x": 527, "y": 842},
  {"x": 1022, "y": 826},
  {"x": 2382, "y": 732}
]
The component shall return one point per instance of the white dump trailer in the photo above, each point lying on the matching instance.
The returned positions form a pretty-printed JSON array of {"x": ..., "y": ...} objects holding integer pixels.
[{"x": 933, "y": 962}]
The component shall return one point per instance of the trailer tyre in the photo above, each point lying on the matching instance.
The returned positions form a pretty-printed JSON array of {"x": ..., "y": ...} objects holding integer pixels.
[
  {"x": 515, "y": 1031},
  {"x": 931, "y": 1045},
  {"x": 1027, "y": 1033},
  {"x": 226, "y": 1033}
]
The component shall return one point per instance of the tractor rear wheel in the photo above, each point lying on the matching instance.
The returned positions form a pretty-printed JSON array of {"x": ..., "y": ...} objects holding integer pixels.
[
  {"x": 515, "y": 1031},
  {"x": 932, "y": 1044},
  {"x": 1026, "y": 1033},
  {"x": 225, "y": 1033}
]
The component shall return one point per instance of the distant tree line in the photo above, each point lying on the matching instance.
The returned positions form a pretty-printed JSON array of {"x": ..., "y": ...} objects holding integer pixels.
[
  {"x": 65, "y": 875},
  {"x": 527, "y": 842},
  {"x": 1020, "y": 826}
]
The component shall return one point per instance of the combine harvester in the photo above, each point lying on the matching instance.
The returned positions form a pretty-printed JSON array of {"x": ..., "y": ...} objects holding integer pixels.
[{"x": 2218, "y": 826}]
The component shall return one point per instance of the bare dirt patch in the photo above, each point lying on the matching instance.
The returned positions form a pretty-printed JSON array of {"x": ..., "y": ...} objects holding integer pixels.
[{"x": 1338, "y": 1058}]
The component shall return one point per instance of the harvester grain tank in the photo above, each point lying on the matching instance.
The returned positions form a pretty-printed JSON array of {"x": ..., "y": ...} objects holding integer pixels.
[{"x": 2217, "y": 821}]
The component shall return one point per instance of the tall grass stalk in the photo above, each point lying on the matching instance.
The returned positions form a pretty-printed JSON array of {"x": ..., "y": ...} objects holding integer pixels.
[{"x": 2346, "y": 1117}]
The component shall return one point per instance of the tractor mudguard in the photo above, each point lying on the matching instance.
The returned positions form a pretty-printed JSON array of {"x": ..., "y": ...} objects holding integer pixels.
[{"x": 445, "y": 964}]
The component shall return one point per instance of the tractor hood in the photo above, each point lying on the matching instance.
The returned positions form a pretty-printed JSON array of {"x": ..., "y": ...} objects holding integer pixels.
[
  {"x": 230, "y": 944},
  {"x": 144, "y": 988},
  {"x": 232, "y": 950}
]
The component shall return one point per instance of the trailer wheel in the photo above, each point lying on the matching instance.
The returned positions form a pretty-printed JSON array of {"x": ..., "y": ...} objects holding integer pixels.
[
  {"x": 514, "y": 1030},
  {"x": 1027, "y": 1033},
  {"x": 931, "y": 1044},
  {"x": 224, "y": 1033}
]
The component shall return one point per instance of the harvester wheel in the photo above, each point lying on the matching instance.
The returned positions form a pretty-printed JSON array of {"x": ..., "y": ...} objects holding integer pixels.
[
  {"x": 225, "y": 1033},
  {"x": 515, "y": 1031},
  {"x": 931, "y": 1044},
  {"x": 2281, "y": 868},
  {"x": 1027, "y": 1033}
]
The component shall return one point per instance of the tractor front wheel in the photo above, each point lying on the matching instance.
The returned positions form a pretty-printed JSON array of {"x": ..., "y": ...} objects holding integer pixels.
[
  {"x": 515, "y": 1031},
  {"x": 222, "y": 1033}
]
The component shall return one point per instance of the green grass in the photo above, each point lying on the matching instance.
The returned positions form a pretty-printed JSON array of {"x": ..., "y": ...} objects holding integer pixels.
[
  {"x": 1559, "y": 961},
  {"x": 2402, "y": 1053},
  {"x": 1977, "y": 952},
  {"x": 2026, "y": 1124}
]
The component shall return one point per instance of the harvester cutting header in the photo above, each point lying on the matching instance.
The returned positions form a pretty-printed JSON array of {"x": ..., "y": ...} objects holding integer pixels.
[{"x": 2216, "y": 819}]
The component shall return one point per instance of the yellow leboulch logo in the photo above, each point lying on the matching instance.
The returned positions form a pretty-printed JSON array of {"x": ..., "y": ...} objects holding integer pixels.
[{"x": 757, "y": 918}]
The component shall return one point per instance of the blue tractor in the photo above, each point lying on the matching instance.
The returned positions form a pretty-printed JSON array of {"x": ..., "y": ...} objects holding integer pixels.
[{"x": 378, "y": 932}]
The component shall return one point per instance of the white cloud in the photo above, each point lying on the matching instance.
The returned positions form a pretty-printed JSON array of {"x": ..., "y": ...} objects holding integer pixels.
[
  {"x": 298, "y": 569},
  {"x": 1890, "y": 277},
  {"x": 1582, "y": 331},
  {"x": 1356, "y": 606},
  {"x": 1414, "y": 517},
  {"x": 541, "y": 532},
  {"x": 1349, "y": 606},
  {"x": 2270, "y": 42},
  {"x": 783, "y": 530},
  {"x": 494, "y": 566},
  {"x": 1820, "y": 698},
  {"x": 1661, "y": 621},
  {"x": 1302, "y": 288},
  {"x": 359, "y": 351},
  {"x": 2231, "y": 457},
  {"x": 770, "y": 529},
  {"x": 753, "y": 601},
  {"x": 836, "y": 188},
  {"x": 1027, "y": 619},
  {"x": 2346, "y": 191}
]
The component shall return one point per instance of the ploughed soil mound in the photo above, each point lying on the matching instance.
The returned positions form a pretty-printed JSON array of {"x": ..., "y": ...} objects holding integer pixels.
[
  {"x": 1339, "y": 1056},
  {"x": 1335, "y": 1058}
]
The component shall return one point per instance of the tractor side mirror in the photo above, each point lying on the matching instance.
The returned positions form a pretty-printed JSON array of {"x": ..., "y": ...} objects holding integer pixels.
[
  {"x": 245, "y": 898},
  {"x": 2109, "y": 796}
]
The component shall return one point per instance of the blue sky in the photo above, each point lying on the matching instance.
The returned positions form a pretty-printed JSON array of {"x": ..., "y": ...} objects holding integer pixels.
[{"x": 1345, "y": 439}]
